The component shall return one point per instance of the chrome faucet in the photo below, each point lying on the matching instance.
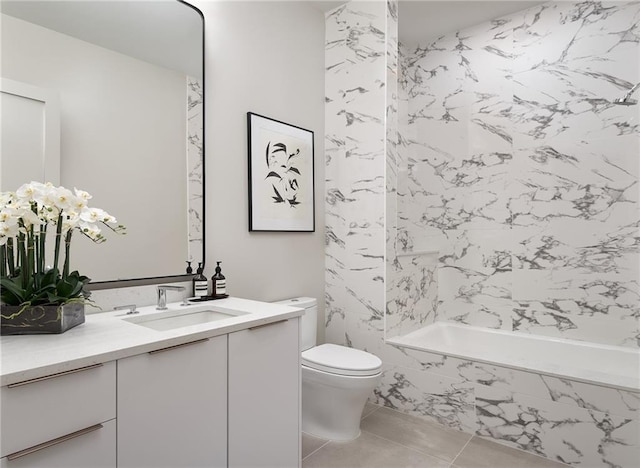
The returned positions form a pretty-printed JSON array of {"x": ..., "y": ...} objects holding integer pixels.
[{"x": 162, "y": 295}]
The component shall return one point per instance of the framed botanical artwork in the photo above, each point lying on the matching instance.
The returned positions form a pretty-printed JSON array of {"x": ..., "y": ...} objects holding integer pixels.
[{"x": 281, "y": 179}]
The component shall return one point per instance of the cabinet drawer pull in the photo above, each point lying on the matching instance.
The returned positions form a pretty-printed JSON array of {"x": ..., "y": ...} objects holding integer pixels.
[
  {"x": 53, "y": 442},
  {"x": 53, "y": 376},
  {"x": 169, "y": 348},
  {"x": 268, "y": 324}
]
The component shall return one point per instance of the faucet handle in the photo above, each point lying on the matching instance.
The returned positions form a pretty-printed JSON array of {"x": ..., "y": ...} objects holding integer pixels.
[
  {"x": 162, "y": 294},
  {"x": 131, "y": 307}
]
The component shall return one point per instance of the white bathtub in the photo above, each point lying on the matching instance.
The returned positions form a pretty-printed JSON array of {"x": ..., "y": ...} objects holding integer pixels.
[{"x": 612, "y": 366}]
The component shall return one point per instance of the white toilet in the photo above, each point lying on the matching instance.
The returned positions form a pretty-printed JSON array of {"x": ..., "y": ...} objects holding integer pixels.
[{"x": 336, "y": 380}]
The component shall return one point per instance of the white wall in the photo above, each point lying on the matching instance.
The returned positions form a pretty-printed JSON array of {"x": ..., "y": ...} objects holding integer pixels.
[{"x": 267, "y": 58}]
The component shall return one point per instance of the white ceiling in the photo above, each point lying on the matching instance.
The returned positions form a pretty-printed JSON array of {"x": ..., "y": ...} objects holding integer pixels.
[
  {"x": 420, "y": 20},
  {"x": 164, "y": 32}
]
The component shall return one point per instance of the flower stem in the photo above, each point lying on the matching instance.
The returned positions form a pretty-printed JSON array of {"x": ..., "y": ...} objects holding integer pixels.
[
  {"x": 56, "y": 254},
  {"x": 22, "y": 260},
  {"x": 42, "y": 250},
  {"x": 11, "y": 262},
  {"x": 3, "y": 260},
  {"x": 67, "y": 251},
  {"x": 30, "y": 266}
]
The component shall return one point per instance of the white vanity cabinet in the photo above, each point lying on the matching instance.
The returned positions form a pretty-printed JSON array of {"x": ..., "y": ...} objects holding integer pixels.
[
  {"x": 206, "y": 397},
  {"x": 60, "y": 420},
  {"x": 172, "y": 406},
  {"x": 264, "y": 396}
]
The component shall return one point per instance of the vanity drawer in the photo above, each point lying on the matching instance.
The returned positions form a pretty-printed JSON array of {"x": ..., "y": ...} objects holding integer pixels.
[
  {"x": 37, "y": 411},
  {"x": 94, "y": 448}
]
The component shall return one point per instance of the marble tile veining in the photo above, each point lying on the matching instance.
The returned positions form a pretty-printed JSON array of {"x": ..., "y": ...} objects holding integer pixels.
[
  {"x": 485, "y": 177},
  {"x": 515, "y": 157},
  {"x": 195, "y": 158},
  {"x": 514, "y": 165}
]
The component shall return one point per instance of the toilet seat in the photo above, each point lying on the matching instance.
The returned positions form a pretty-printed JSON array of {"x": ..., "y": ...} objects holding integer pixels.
[{"x": 341, "y": 360}]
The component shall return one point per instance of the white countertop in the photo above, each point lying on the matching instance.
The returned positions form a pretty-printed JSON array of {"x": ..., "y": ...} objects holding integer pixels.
[{"x": 106, "y": 337}]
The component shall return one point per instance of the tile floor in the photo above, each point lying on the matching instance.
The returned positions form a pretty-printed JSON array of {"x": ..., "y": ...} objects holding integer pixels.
[{"x": 391, "y": 439}]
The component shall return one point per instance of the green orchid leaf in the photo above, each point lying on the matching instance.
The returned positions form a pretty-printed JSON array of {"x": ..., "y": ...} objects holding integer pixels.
[{"x": 12, "y": 292}]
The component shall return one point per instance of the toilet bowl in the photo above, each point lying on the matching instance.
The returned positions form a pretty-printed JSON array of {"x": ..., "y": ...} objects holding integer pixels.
[{"x": 336, "y": 381}]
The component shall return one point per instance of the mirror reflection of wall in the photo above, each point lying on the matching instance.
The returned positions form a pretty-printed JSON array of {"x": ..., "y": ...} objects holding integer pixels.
[{"x": 130, "y": 122}]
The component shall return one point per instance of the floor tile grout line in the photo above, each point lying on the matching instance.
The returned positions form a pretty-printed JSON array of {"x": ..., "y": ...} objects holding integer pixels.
[
  {"x": 422, "y": 452},
  {"x": 325, "y": 443},
  {"x": 462, "y": 450},
  {"x": 370, "y": 413},
  {"x": 420, "y": 421}
]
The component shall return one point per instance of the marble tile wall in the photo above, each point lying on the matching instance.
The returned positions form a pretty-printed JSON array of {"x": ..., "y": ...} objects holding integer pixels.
[
  {"x": 195, "y": 155},
  {"x": 358, "y": 62},
  {"x": 564, "y": 420},
  {"x": 517, "y": 167},
  {"x": 412, "y": 295},
  {"x": 411, "y": 268},
  {"x": 447, "y": 194}
]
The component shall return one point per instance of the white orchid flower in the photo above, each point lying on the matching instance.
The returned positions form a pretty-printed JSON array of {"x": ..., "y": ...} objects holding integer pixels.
[
  {"x": 34, "y": 193},
  {"x": 8, "y": 220},
  {"x": 7, "y": 198},
  {"x": 82, "y": 194},
  {"x": 65, "y": 199},
  {"x": 8, "y": 229},
  {"x": 81, "y": 199},
  {"x": 96, "y": 215},
  {"x": 9, "y": 212},
  {"x": 49, "y": 196},
  {"x": 27, "y": 192},
  {"x": 29, "y": 218},
  {"x": 70, "y": 220},
  {"x": 45, "y": 194},
  {"x": 79, "y": 204}
]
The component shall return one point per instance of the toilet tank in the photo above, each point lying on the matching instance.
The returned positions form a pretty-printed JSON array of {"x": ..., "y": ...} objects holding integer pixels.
[{"x": 308, "y": 322}]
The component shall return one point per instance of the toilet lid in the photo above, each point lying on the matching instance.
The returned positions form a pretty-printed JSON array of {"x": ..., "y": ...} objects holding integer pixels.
[{"x": 341, "y": 360}]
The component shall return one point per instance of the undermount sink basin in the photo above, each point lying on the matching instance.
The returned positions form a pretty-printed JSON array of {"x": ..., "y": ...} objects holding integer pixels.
[{"x": 172, "y": 319}]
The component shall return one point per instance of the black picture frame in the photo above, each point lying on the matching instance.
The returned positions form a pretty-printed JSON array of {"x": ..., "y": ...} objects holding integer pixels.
[{"x": 281, "y": 176}]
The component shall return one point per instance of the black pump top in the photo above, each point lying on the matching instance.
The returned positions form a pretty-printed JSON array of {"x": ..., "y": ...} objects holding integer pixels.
[
  {"x": 200, "y": 269},
  {"x": 218, "y": 269}
]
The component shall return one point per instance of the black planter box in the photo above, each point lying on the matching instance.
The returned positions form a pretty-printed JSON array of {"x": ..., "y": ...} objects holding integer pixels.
[{"x": 42, "y": 319}]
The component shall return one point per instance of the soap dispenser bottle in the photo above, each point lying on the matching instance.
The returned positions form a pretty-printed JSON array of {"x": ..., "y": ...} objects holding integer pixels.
[
  {"x": 219, "y": 282},
  {"x": 200, "y": 283}
]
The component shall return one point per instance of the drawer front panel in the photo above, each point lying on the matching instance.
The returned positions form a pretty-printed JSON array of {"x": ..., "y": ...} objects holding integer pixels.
[
  {"x": 96, "y": 449},
  {"x": 43, "y": 410}
]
